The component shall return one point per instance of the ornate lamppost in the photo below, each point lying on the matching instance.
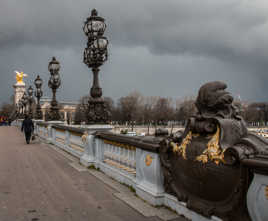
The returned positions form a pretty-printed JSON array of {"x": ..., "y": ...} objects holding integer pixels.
[
  {"x": 38, "y": 94},
  {"x": 24, "y": 103},
  {"x": 54, "y": 83},
  {"x": 20, "y": 108},
  {"x": 30, "y": 100},
  {"x": 95, "y": 54}
]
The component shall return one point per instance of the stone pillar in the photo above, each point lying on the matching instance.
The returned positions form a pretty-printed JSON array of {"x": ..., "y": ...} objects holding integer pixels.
[
  {"x": 65, "y": 116},
  {"x": 43, "y": 113},
  {"x": 19, "y": 90},
  {"x": 149, "y": 177}
]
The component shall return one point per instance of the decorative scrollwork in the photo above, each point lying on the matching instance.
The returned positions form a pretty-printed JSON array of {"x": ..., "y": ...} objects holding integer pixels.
[
  {"x": 181, "y": 149},
  {"x": 213, "y": 152}
]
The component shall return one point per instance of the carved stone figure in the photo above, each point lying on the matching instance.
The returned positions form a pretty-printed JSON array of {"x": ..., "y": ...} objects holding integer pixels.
[{"x": 205, "y": 166}]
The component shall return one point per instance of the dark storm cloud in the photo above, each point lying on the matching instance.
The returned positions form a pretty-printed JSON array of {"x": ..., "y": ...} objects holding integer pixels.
[{"x": 174, "y": 45}]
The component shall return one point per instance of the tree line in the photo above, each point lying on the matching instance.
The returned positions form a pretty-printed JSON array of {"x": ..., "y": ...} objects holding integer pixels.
[{"x": 136, "y": 109}]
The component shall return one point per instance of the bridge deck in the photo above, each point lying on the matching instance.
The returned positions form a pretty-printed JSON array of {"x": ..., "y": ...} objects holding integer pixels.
[{"x": 39, "y": 183}]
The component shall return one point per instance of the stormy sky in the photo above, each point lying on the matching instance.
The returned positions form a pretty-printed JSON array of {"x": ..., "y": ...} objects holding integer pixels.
[{"x": 156, "y": 47}]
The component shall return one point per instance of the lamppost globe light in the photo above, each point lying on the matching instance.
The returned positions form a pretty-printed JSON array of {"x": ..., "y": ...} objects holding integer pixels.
[
  {"x": 100, "y": 43},
  {"x": 94, "y": 25},
  {"x": 30, "y": 91},
  {"x": 53, "y": 66},
  {"x": 38, "y": 82}
]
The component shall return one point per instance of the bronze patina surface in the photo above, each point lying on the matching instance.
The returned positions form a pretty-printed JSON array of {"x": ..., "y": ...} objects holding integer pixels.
[{"x": 210, "y": 165}]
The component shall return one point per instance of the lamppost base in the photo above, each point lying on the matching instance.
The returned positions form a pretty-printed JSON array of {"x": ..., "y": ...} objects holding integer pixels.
[
  {"x": 53, "y": 114},
  {"x": 97, "y": 111}
]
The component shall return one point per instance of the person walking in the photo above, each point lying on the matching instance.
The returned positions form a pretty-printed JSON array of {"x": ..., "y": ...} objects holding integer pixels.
[{"x": 28, "y": 127}]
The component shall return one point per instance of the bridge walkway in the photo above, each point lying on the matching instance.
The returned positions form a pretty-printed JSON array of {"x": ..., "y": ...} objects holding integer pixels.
[{"x": 38, "y": 183}]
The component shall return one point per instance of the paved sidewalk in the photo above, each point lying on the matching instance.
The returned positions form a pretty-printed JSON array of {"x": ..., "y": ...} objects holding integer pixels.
[{"x": 38, "y": 183}]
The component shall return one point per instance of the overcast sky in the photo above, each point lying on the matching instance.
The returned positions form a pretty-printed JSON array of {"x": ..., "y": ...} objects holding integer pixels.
[{"x": 157, "y": 47}]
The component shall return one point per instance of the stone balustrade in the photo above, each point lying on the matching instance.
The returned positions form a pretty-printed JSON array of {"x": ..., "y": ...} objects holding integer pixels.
[{"x": 135, "y": 161}]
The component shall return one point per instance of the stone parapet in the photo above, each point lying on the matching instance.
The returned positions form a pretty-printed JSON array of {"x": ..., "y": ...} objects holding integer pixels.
[{"x": 136, "y": 162}]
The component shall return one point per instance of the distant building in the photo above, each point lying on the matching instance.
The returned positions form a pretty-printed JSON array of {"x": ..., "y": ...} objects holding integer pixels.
[{"x": 67, "y": 109}]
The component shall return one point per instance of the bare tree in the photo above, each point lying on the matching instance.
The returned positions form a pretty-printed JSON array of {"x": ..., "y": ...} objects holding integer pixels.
[
  {"x": 257, "y": 112},
  {"x": 6, "y": 110},
  {"x": 185, "y": 109},
  {"x": 163, "y": 111},
  {"x": 148, "y": 111},
  {"x": 129, "y": 107},
  {"x": 80, "y": 111}
]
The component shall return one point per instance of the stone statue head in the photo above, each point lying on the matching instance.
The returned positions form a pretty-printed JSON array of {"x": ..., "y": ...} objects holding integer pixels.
[{"x": 214, "y": 101}]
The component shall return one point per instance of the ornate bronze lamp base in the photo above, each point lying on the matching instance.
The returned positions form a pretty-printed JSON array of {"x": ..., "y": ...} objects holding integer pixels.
[
  {"x": 38, "y": 114},
  {"x": 54, "y": 114},
  {"x": 97, "y": 111}
]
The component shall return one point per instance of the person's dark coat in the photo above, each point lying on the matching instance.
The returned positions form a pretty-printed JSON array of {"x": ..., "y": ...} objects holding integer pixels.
[{"x": 27, "y": 126}]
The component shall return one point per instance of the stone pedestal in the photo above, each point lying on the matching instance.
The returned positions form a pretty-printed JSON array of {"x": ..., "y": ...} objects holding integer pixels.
[
  {"x": 54, "y": 114},
  {"x": 97, "y": 111},
  {"x": 19, "y": 90}
]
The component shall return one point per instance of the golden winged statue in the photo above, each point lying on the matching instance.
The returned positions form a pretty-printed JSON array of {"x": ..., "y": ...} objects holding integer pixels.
[{"x": 19, "y": 77}]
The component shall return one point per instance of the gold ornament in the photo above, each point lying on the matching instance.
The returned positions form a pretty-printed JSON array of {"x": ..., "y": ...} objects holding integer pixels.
[
  {"x": 182, "y": 148},
  {"x": 213, "y": 152},
  {"x": 19, "y": 77},
  {"x": 148, "y": 160}
]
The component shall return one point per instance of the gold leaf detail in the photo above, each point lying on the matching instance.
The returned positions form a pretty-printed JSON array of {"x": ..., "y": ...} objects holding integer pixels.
[
  {"x": 148, "y": 160},
  {"x": 213, "y": 152},
  {"x": 182, "y": 148}
]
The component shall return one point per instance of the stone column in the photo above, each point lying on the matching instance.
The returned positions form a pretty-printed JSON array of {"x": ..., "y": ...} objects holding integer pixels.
[
  {"x": 65, "y": 116},
  {"x": 19, "y": 90}
]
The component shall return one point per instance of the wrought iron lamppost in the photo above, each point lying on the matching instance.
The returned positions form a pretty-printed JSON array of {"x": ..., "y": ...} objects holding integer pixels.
[
  {"x": 30, "y": 101},
  {"x": 95, "y": 54},
  {"x": 38, "y": 94},
  {"x": 24, "y": 103},
  {"x": 20, "y": 109},
  {"x": 54, "y": 83}
]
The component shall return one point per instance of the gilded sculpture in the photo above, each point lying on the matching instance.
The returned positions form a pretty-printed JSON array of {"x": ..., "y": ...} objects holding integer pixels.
[{"x": 19, "y": 77}]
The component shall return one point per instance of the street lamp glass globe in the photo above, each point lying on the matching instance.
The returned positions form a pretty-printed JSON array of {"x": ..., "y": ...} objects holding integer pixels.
[
  {"x": 54, "y": 65},
  {"x": 94, "y": 25},
  {"x": 38, "y": 82},
  {"x": 101, "y": 43},
  {"x": 30, "y": 90}
]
